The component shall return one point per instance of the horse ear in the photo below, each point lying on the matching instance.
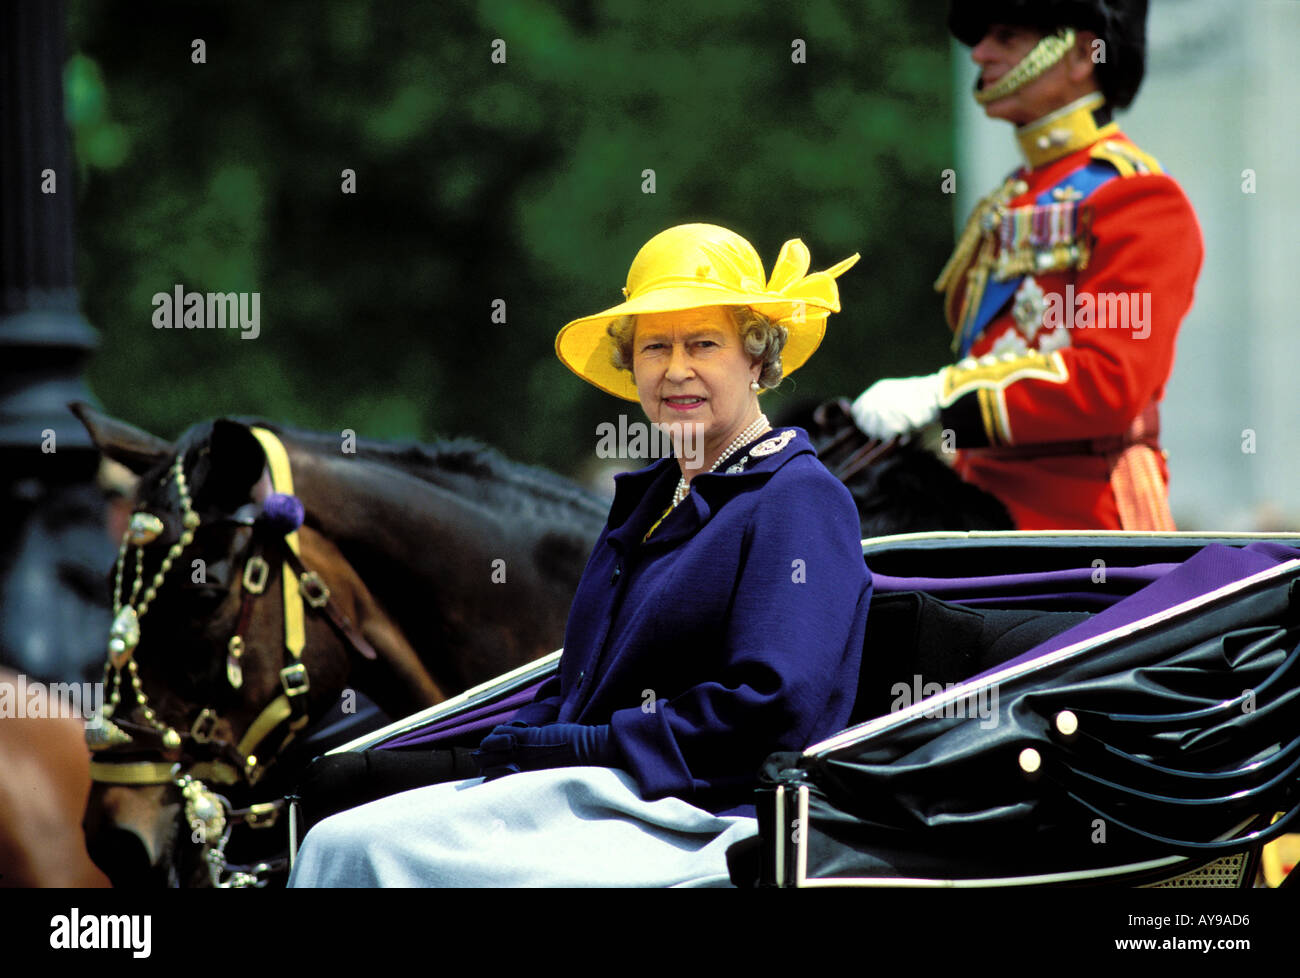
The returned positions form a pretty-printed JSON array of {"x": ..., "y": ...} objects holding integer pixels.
[
  {"x": 235, "y": 463},
  {"x": 138, "y": 450}
]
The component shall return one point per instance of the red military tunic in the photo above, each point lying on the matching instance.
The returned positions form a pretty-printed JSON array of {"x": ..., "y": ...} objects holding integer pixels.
[{"x": 1066, "y": 293}]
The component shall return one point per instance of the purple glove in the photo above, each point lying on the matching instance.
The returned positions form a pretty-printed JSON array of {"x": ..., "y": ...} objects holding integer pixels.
[{"x": 515, "y": 746}]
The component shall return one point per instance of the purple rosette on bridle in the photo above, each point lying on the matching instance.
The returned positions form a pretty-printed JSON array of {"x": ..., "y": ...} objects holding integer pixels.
[{"x": 282, "y": 512}]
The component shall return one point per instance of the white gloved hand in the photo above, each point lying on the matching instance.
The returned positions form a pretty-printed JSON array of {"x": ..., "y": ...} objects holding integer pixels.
[{"x": 898, "y": 405}]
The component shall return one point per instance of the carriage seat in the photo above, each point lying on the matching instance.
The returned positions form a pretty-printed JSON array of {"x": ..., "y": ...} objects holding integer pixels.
[{"x": 915, "y": 639}]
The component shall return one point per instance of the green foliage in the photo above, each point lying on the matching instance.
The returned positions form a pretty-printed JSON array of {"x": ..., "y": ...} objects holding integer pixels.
[{"x": 477, "y": 181}]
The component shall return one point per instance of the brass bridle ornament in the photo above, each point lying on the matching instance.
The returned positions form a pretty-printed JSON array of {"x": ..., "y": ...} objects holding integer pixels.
[{"x": 209, "y": 814}]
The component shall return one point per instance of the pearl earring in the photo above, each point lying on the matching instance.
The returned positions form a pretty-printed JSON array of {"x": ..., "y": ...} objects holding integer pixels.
[{"x": 753, "y": 385}]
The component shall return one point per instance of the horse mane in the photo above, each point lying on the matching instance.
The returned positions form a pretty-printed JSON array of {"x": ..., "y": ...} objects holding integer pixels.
[
  {"x": 457, "y": 458},
  {"x": 909, "y": 490}
]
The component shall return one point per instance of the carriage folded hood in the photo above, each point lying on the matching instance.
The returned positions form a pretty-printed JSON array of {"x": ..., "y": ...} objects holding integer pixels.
[
  {"x": 1166, "y": 727},
  {"x": 1213, "y": 567}
]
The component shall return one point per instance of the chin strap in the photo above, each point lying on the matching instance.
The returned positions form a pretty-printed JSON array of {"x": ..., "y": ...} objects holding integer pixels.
[{"x": 1045, "y": 53}]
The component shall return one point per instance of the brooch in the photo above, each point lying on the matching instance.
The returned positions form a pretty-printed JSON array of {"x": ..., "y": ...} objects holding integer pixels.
[
  {"x": 772, "y": 445},
  {"x": 1028, "y": 307}
]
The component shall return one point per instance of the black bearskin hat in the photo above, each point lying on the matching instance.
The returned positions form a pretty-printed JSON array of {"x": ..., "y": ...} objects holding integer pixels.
[{"x": 1122, "y": 24}]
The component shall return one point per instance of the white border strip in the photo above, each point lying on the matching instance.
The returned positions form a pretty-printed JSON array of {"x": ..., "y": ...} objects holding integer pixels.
[
  {"x": 1173, "y": 536},
  {"x": 780, "y": 827},
  {"x": 965, "y": 690},
  {"x": 805, "y": 832}
]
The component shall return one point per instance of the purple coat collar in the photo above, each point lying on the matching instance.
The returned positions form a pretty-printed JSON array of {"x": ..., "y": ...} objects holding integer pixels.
[{"x": 640, "y": 497}]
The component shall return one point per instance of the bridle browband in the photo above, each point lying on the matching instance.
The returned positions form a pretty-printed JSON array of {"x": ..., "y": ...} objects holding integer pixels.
[{"x": 209, "y": 814}]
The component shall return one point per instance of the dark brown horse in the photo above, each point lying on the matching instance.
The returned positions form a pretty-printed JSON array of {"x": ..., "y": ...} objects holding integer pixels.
[
  {"x": 898, "y": 486},
  {"x": 434, "y": 569}
]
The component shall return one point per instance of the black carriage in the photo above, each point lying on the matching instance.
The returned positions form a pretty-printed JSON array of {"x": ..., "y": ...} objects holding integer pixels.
[{"x": 1034, "y": 709}]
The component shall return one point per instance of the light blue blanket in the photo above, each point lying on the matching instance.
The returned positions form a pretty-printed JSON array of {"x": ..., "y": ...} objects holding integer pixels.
[{"x": 562, "y": 827}]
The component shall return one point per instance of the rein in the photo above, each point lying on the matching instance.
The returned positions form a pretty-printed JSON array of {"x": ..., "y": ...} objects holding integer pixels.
[
  {"x": 846, "y": 467},
  {"x": 208, "y": 813}
]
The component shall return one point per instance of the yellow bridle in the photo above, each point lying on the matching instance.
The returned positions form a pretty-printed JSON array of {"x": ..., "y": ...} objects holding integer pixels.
[{"x": 293, "y": 677}]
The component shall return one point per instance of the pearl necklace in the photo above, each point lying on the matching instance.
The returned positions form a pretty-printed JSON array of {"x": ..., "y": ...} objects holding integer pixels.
[{"x": 751, "y": 431}]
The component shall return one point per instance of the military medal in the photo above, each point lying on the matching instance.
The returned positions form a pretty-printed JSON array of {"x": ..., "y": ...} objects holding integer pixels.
[
  {"x": 1028, "y": 308},
  {"x": 1053, "y": 340},
  {"x": 1009, "y": 345},
  {"x": 1040, "y": 238}
]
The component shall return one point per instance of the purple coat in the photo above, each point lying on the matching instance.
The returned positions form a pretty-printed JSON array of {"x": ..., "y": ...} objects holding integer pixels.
[{"x": 735, "y": 631}]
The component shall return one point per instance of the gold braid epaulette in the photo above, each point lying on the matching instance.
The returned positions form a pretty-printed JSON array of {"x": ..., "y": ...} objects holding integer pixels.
[
  {"x": 983, "y": 220},
  {"x": 964, "y": 249}
]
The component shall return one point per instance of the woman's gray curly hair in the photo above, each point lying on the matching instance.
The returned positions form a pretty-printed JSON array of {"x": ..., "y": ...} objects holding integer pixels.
[{"x": 760, "y": 336}]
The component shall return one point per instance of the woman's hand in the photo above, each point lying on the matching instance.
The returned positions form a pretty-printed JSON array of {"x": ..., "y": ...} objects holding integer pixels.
[{"x": 514, "y": 747}]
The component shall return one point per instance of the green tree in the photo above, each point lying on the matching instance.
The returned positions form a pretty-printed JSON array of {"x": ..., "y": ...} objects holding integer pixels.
[{"x": 479, "y": 180}]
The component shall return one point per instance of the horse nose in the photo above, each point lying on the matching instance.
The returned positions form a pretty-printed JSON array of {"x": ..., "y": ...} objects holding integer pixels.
[
  {"x": 123, "y": 857},
  {"x": 129, "y": 834}
]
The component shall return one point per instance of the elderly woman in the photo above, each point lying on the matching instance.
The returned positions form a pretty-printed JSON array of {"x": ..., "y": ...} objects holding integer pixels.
[{"x": 720, "y": 617}]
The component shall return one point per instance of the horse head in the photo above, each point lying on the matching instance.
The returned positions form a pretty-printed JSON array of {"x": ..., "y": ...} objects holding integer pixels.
[{"x": 237, "y": 623}]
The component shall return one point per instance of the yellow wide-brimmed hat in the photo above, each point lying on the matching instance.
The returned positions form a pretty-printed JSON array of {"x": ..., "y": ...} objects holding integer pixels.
[{"x": 696, "y": 265}]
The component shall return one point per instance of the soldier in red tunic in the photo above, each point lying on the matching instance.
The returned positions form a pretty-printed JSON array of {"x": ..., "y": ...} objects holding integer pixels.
[{"x": 1066, "y": 289}]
